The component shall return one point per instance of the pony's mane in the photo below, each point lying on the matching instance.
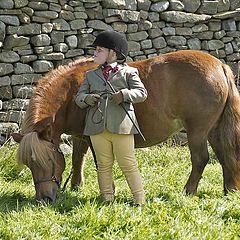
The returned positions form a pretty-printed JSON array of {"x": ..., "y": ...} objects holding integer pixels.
[
  {"x": 32, "y": 148},
  {"x": 52, "y": 91}
]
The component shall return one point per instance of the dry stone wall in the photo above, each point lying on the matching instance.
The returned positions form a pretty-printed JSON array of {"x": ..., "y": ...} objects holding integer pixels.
[{"x": 36, "y": 36}]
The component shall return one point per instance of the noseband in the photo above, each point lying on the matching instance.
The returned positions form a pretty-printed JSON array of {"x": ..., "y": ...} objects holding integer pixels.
[{"x": 53, "y": 178}]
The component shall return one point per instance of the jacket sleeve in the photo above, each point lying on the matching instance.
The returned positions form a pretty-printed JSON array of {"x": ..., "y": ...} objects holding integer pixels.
[
  {"x": 136, "y": 92},
  {"x": 82, "y": 93}
]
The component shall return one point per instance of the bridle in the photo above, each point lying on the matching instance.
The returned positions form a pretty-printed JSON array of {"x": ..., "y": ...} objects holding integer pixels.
[{"x": 53, "y": 177}]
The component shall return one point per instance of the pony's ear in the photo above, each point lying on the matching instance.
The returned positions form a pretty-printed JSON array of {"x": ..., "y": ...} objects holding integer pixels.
[
  {"x": 17, "y": 137},
  {"x": 44, "y": 128}
]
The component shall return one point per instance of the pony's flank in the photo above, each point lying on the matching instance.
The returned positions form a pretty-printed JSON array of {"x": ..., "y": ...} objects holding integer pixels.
[{"x": 32, "y": 148}]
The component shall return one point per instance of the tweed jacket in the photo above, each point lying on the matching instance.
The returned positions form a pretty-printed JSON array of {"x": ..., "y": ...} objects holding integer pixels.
[{"x": 106, "y": 114}]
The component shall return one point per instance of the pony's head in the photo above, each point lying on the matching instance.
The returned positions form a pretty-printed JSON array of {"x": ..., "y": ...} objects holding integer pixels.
[{"x": 43, "y": 157}]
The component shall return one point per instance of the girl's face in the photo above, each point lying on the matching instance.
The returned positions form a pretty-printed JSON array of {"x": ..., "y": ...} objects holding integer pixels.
[{"x": 102, "y": 55}]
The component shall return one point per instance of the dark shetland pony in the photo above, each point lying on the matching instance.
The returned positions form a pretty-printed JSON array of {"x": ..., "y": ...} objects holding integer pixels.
[{"x": 186, "y": 89}]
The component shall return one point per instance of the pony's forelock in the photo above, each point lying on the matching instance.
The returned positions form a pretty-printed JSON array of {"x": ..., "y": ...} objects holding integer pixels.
[{"x": 31, "y": 148}]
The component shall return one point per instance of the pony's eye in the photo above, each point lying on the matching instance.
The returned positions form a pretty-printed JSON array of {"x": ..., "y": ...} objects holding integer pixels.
[{"x": 54, "y": 149}]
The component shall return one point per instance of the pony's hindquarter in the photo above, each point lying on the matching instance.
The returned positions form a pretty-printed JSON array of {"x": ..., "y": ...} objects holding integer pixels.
[{"x": 225, "y": 136}]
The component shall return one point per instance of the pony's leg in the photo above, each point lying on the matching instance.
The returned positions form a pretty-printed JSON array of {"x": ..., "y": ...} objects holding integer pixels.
[
  {"x": 80, "y": 148},
  {"x": 199, "y": 159}
]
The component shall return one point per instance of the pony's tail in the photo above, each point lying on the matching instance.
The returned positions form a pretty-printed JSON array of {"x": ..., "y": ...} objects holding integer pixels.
[
  {"x": 229, "y": 130},
  {"x": 230, "y": 120}
]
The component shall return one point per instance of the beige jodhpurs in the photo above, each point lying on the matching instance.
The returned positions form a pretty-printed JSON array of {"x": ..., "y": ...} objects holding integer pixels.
[{"x": 107, "y": 145}]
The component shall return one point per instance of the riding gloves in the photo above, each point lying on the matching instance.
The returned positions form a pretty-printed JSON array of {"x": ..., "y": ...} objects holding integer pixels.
[
  {"x": 91, "y": 99},
  {"x": 117, "y": 97}
]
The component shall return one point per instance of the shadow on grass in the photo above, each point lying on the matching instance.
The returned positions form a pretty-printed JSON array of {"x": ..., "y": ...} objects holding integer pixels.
[
  {"x": 17, "y": 201},
  {"x": 14, "y": 201}
]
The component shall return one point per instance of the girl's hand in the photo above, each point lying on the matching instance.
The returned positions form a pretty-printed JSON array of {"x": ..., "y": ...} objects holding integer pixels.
[
  {"x": 117, "y": 97},
  {"x": 91, "y": 99}
]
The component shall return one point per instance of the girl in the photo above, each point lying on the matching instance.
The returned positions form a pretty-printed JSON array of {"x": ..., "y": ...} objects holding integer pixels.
[{"x": 110, "y": 129}]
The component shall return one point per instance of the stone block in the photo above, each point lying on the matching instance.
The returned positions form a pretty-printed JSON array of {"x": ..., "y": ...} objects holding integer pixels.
[
  {"x": 194, "y": 44},
  {"x": 155, "y": 32},
  {"x": 145, "y": 44},
  {"x": 6, "y": 92},
  {"x": 184, "y": 31},
  {"x": 28, "y": 58},
  {"x": 38, "y": 5},
  {"x": 208, "y": 35},
  {"x": 215, "y": 25},
  {"x": 23, "y": 91},
  {"x": 5, "y": 81},
  {"x": 14, "y": 40},
  {"x": 46, "y": 14},
  {"x": 153, "y": 16},
  {"x": 20, "y": 68},
  {"x": 22, "y": 79},
  {"x": 9, "y": 57},
  {"x": 228, "y": 48},
  {"x": 119, "y": 27},
  {"x": 61, "y": 47},
  {"x": 45, "y": 49},
  {"x": 99, "y": 25},
  {"x": 191, "y": 6},
  {"x": 176, "y": 5},
  {"x": 159, "y": 42},
  {"x": 41, "y": 66},
  {"x": 29, "y": 29},
  {"x": 5, "y": 68},
  {"x": 56, "y": 37},
  {"x": 200, "y": 28},
  {"x": 74, "y": 53},
  {"x": 223, "y": 5},
  {"x": 52, "y": 56},
  {"x": 159, "y": 6},
  {"x": 6, "y": 4},
  {"x": 208, "y": 7},
  {"x": 138, "y": 36},
  {"x": 229, "y": 25},
  {"x": 174, "y": 41},
  {"x": 40, "y": 40},
  {"x": 219, "y": 34},
  {"x": 16, "y": 104},
  {"x": 60, "y": 24},
  {"x": 215, "y": 44},
  {"x": 10, "y": 20},
  {"x": 182, "y": 17},
  {"x": 143, "y": 5},
  {"x": 134, "y": 46},
  {"x": 20, "y": 3},
  {"x": 169, "y": 31}
]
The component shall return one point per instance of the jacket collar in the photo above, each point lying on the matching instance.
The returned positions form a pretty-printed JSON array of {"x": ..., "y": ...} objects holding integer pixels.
[{"x": 99, "y": 71}]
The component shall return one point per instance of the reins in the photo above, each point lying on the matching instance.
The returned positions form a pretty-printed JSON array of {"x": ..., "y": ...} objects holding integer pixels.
[{"x": 66, "y": 181}]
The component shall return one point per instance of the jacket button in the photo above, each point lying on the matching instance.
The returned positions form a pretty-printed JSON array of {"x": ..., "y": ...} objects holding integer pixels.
[{"x": 105, "y": 97}]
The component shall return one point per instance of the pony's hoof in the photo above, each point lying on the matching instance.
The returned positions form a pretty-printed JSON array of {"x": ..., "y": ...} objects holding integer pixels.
[{"x": 188, "y": 192}]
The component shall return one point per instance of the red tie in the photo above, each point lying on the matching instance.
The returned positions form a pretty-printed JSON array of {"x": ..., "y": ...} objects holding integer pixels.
[{"x": 107, "y": 69}]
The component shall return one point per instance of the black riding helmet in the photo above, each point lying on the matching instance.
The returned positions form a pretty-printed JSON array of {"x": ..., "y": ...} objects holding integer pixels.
[{"x": 112, "y": 40}]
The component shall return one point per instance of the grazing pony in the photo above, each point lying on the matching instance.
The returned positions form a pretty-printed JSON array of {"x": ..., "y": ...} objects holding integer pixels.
[{"x": 186, "y": 89}]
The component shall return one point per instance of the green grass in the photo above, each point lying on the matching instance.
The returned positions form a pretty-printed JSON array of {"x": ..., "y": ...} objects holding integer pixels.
[{"x": 168, "y": 214}]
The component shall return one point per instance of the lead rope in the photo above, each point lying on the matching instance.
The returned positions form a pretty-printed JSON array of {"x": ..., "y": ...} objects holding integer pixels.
[{"x": 66, "y": 182}]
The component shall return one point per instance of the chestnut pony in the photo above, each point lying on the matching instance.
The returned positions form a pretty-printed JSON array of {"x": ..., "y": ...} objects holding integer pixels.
[{"x": 186, "y": 89}]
